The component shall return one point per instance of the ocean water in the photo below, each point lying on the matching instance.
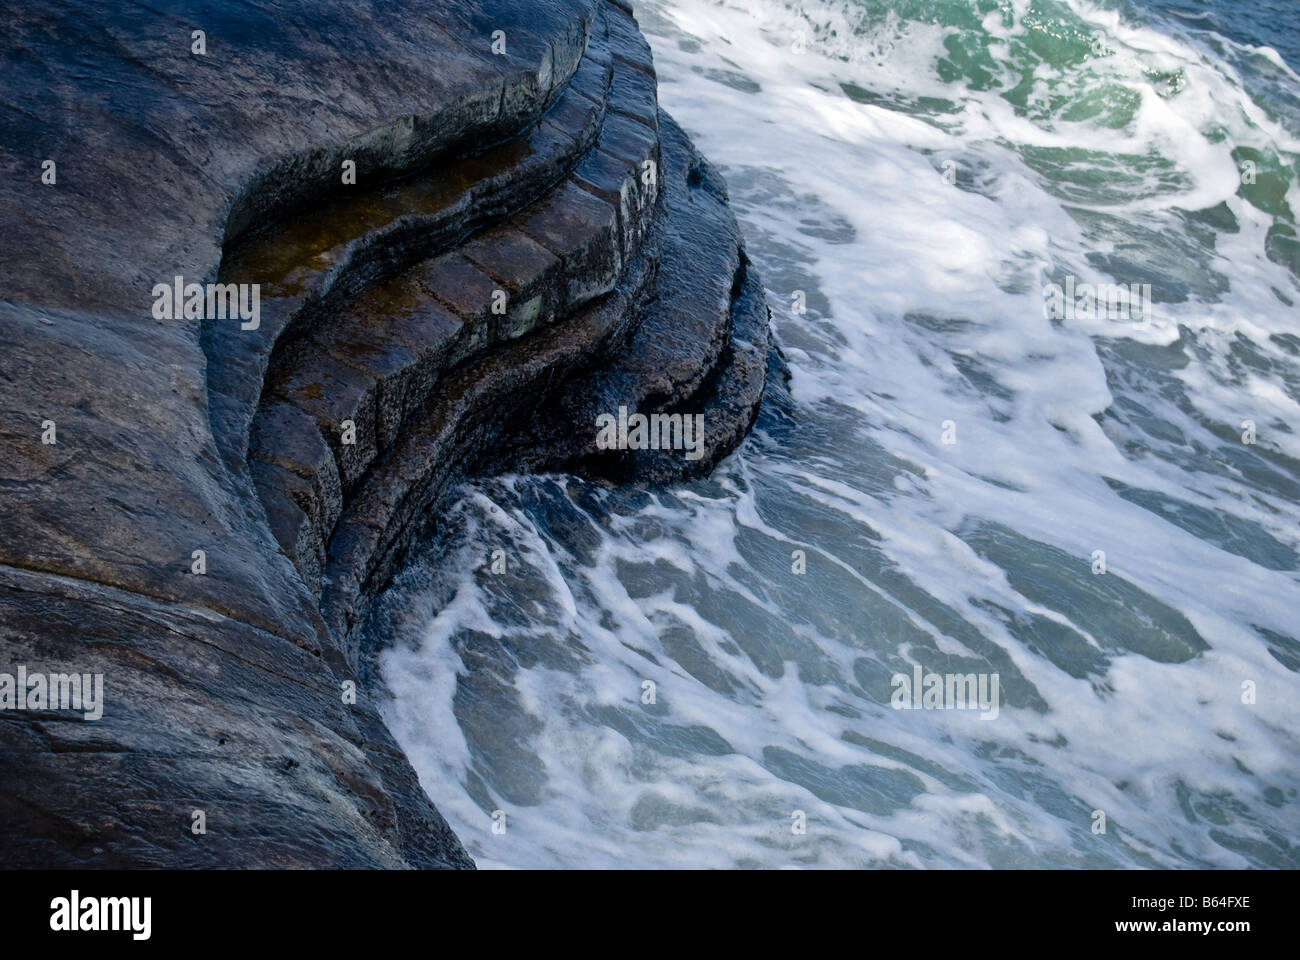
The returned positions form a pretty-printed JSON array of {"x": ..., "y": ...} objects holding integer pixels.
[{"x": 957, "y": 468}]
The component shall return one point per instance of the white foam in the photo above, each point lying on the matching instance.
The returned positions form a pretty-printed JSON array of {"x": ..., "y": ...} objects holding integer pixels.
[{"x": 849, "y": 197}]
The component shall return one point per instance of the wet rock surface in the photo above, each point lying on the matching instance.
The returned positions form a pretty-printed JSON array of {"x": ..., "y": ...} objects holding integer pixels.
[{"x": 201, "y": 509}]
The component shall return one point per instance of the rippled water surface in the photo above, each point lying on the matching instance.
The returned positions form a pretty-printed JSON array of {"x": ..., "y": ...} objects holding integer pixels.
[{"x": 921, "y": 171}]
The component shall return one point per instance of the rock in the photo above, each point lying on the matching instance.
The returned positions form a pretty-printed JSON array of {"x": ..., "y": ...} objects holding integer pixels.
[{"x": 203, "y": 509}]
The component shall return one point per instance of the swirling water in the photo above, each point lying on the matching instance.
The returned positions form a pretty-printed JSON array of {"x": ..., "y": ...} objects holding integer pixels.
[{"x": 952, "y": 463}]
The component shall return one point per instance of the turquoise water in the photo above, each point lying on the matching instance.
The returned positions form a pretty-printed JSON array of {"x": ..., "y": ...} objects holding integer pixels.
[{"x": 1100, "y": 511}]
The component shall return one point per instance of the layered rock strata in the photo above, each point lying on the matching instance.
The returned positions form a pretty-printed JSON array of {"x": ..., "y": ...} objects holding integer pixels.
[{"x": 472, "y": 232}]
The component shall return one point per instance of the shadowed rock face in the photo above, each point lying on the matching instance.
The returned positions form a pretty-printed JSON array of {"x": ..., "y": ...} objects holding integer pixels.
[{"x": 201, "y": 506}]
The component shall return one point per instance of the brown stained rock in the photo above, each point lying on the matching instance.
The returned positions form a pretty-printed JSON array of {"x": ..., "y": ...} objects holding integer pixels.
[
  {"x": 308, "y": 262},
  {"x": 377, "y": 353},
  {"x": 528, "y": 272},
  {"x": 317, "y": 257},
  {"x": 583, "y": 230},
  {"x": 463, "y": 287},
  {"x": 334, "y": 393},
  {"x": 358, "y": 332},
  {"x": 415, "y": 337}
]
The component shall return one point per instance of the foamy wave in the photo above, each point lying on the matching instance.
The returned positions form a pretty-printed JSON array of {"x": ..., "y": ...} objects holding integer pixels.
[{"x": 1086, "y": 143}]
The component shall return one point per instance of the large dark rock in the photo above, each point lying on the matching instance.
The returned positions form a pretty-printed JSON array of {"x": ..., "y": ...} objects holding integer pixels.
[{"x": 529, "y": 244}]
